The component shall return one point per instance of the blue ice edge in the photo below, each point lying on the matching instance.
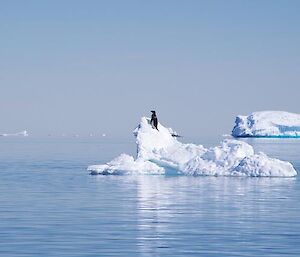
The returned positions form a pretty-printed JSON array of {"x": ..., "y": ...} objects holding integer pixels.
[{"x": 250, "y": 136}]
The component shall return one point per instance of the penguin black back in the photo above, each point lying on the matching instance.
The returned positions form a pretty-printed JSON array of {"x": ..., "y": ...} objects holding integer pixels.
[{"x": 154, "y": 120}]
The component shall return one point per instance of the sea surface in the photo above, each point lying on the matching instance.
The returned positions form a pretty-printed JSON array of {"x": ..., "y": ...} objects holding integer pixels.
[{"x": 51, "y": 206}]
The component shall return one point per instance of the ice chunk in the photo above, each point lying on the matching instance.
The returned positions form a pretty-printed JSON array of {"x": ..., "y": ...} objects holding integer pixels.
[
  {"x": 125, "y": 164},
  {"x": 158, "y": 152},
  {"x": 161, "y": 146},
  {"x": 260, "y": 165},
  {"x": 220, "y": 160},
  {"x": 267, "y": 124}
]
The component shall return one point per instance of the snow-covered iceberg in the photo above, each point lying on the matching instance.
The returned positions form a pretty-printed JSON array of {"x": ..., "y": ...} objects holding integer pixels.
[
  {"x": 22, "y": 134},
  {"x": 267, "y": 124},
  {"x": 158, "y": 152}
]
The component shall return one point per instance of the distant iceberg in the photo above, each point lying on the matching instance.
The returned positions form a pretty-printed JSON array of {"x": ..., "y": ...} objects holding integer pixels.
[
  {"x": 267, "y": 124},
  {"x": 158, "y": 152},
  {"x": 22, "y": 133}
]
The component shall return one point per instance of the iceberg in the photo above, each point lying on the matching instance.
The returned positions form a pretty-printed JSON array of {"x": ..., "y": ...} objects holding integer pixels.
[
  {"x": 22, "y": 133},
  {"x": 158, "y": 153},
  {"x": 267, "y": 124}
]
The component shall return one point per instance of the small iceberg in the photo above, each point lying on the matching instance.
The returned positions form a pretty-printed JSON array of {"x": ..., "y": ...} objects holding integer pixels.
[
  {"x": 158, "y": 152},
  {"x": 268, "y": 124},
  {"x": 22, "y": 134}
]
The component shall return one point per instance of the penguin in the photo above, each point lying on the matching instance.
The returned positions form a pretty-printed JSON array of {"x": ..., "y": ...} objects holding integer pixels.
[{"x": 154, "y": 121}]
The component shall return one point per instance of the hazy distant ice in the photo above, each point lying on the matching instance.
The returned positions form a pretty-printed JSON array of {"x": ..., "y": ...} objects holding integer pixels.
[{"x": 22, "y": 133}]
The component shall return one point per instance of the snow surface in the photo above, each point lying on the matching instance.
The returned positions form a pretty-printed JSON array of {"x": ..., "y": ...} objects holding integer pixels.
[
  {"x": 22, "y": 133},
  {"x": 267, "y": 124},
  {"x": 158, "y": 152}
]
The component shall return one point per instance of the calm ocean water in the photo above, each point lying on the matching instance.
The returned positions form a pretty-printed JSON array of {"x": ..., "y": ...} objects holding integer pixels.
[{"x": 50, "y": 206}]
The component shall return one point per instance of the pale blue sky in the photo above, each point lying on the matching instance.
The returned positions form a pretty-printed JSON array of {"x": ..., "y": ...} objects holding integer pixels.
[{"x": 89, "y": 66}]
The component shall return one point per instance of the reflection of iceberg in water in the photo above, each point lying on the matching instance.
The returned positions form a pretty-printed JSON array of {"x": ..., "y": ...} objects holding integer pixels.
[
  {"x": 183, "y": 212},
  {"x": 154, "y": 214}
]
